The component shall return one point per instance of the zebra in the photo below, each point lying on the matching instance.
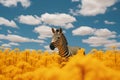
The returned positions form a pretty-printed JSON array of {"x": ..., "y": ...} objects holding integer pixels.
[{"x": 59, "y": 41}]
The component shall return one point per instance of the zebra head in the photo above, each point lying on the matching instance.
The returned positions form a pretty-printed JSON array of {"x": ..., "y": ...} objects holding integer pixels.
[{"x": 57, "y": 39}]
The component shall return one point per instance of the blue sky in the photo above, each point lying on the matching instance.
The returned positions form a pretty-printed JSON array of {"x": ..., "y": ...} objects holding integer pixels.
[{"x": 26, "y": 24}]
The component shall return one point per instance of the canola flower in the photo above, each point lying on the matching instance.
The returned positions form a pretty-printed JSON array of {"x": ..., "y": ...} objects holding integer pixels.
[{"x": 38, "y": 65}]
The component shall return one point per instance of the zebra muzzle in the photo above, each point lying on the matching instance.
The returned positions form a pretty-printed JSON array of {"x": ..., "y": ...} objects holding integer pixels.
[{"x": 52, "y": 47}]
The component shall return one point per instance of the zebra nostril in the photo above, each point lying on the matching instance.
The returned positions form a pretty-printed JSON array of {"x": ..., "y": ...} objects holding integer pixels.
[{"x": 52, "y": 47}]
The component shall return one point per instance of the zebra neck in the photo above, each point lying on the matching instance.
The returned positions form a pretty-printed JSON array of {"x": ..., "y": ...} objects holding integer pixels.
[{"x": 63, "y": 50}]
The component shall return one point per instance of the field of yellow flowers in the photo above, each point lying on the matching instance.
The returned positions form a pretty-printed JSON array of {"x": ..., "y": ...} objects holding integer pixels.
[{"x": 38, "y": 65}]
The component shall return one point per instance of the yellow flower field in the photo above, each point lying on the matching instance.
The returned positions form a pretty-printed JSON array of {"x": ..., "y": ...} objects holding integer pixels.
[{"x": 39, "y": 65}]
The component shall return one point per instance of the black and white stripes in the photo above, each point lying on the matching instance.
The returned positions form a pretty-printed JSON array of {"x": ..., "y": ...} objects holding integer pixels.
[{"x": 59, "y": 41}]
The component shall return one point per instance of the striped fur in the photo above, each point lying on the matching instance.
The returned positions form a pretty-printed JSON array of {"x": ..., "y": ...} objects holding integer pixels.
[{"x": 59, "y": 41}]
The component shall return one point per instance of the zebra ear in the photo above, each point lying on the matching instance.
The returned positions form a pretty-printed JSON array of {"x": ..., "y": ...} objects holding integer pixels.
[
  {"x": 60, "y": 30},
  {"x": 53, "y": 30}
]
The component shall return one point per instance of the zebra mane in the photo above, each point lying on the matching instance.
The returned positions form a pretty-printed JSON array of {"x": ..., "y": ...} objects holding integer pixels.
[{"x": 64, "y": 38}]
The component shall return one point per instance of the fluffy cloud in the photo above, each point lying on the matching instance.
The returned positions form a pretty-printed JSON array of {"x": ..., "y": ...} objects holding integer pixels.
[
  {"x": 108, "y": 22},
  {"x": 29, "y": 19},
  {"x": 105, "y": 33},
  {"x": 94, "y": 7},
  {"x": 58, "y": 19},
  {"x": 13, "y": 43},
  {"x": 10, "y": 3},
  {"x": 6, "y": 45},
  {"x": 96, "y": 41},
  {"x": 44, "y": 31},
  {"x": 98, "y": 37},
  {"x": 6, "y": 22},
  {"x": 17, "y": 38},
  {"x": 83, "y": 30},
  {"x": 10, "y": 45},
  {"x": 86, "y": 30}
]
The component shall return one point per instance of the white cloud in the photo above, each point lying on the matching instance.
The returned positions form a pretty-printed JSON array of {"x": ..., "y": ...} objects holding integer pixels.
[
  {"x": 58, "y": 19},
  {"x": 108, "y": 22},
  {"x": 105, "y": 33},
  {"x": 29, "y": 19},
  {"x": 10, "y": 45},
  {"x": 44, "y": 32},
  {"x": 86, "y": 30},
  {"x": 94, "y": 7},
  {"x": 6, "y": 22},
  {"x": 98, "y": 37},
  {"x": 69, "y": 25},
  {"x": 96, "y": 41},
  {"x": 17, "y": 38},
  {"x": 25, "y": 3},
  {"x": 6, "y": 45},
  {"x": 10, "y": 3},
  {"x": 83, "y": 30},
  {"x": 13, "y": 43}
]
